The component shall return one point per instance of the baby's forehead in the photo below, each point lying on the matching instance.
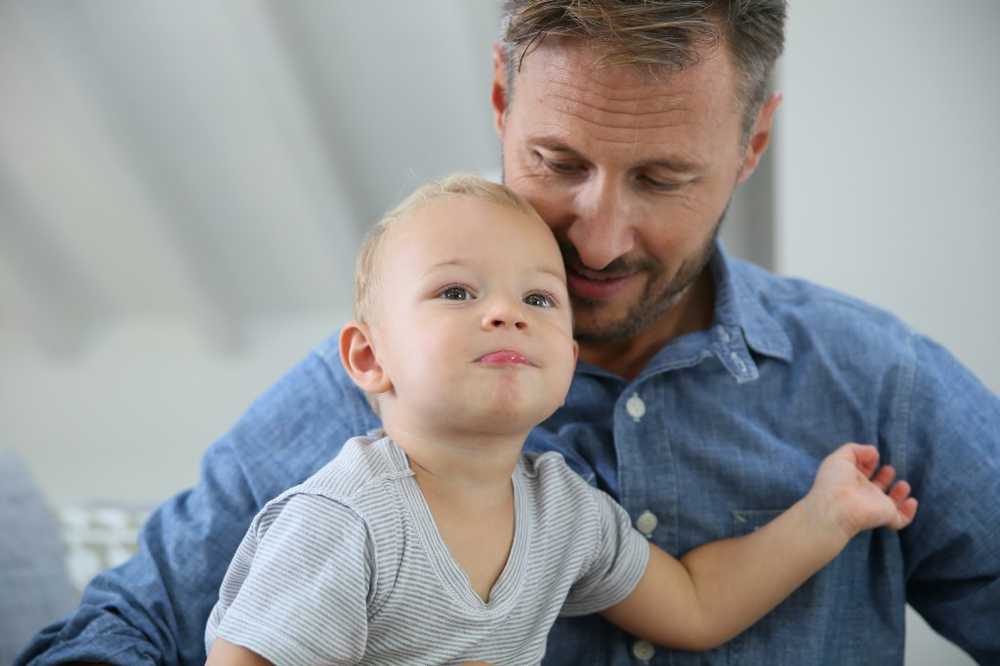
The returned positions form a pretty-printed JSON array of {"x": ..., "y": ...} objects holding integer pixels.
[
  {"x": 465, "y": 215},
  {"x": 476, "y": 235}
]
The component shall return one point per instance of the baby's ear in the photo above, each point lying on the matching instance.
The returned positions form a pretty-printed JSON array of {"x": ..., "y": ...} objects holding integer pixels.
[{"x": 357, "y": 353}]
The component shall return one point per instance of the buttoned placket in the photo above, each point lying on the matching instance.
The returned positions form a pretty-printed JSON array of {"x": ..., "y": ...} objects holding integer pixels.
[
  {"x": 635, "y": 407},
  {"x": 632, "y": 420}
]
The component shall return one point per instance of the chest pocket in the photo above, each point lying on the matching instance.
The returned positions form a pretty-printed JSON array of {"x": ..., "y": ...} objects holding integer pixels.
[{"x": 808, "y": 627}]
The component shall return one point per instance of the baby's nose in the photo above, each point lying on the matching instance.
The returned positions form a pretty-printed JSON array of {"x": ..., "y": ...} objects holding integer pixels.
[
  {"x": 504, "y": 316},
  {"x": 501, "y": 323}
]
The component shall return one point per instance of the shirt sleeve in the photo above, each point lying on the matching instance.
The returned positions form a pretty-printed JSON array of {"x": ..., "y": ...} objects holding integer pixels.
[
  {"x": 297, "y": 591},
  {"x": 947, "y": 426},
  {"x": 619, "y": 560}
]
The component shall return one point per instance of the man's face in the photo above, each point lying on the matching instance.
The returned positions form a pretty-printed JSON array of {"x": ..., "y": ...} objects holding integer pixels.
[
  {"x": 631, "y": 169},
  {"x": 474, "y": 327}
]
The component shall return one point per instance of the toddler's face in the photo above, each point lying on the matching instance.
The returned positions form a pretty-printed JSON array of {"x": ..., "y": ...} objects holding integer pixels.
[{"x": 474, "y": 325}]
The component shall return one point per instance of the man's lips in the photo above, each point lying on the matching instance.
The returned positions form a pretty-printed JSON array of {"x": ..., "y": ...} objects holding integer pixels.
[
  {"x": 504, "y": 357},
  {"x": 594, "y": 286}
]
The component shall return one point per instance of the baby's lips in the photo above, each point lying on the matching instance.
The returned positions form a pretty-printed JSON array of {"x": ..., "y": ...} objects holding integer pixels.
[{"x": 504, "y": 357}]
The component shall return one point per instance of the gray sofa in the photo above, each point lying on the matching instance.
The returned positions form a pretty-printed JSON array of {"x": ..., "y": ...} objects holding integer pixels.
[{"x": 34, "y": 586}]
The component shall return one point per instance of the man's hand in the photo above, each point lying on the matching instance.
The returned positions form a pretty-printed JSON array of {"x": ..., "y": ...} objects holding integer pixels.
[{"x": 855, "y": 494}]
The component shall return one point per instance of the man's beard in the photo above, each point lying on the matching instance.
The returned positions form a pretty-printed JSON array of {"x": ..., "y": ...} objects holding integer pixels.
[{"x": 656, "y": 300}]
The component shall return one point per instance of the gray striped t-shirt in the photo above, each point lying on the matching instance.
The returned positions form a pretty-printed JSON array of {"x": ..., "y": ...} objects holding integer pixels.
[{"x": 348, "y": 567}]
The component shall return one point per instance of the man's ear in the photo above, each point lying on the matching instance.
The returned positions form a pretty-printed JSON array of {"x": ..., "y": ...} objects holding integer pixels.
[
  {"x": 357, "y": 353},
  {"x": 498, "y": 96},
  {"x": 760, "y": 136}
]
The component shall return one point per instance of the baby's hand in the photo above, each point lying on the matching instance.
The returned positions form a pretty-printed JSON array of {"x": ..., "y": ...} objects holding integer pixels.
[{"x": 856, "y": 494}]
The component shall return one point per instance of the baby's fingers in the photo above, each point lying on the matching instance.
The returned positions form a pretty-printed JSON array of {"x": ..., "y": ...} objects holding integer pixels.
[
  {"x": 883, "y": 478},
  {"x": 864, "y": 456},
  {"x": 906, "y": 512},
  {"x": 900, "y": 492},
  {"x": 906, "y": 506}
]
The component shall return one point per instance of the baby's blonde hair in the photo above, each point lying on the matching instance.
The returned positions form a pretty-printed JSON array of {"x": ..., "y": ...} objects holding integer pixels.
[{"x": 366, "y": 274}]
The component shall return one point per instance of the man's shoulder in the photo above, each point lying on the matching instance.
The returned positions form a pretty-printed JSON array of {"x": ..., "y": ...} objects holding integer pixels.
[
  {"x": 300, "y": 422},
  {"x": 316, "y": 384},
  {"x": 813, "y": 315}
]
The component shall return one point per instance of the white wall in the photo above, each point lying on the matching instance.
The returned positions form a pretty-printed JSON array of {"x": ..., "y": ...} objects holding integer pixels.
[
  {"x": 888, "y": 159},
  {"x": 887, "y": 162},
  {"x": 127, "y": 420}
]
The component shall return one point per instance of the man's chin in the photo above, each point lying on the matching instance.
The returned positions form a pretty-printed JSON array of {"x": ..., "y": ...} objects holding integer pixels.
[
  {"x": 611, "y": 322},
  {"x": 603, "y": 324}
]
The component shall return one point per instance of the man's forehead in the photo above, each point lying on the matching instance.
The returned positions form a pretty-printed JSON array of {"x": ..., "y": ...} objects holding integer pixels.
[
  {"x": 569, "y": 67},
  {"x": 566, "y": 79}
]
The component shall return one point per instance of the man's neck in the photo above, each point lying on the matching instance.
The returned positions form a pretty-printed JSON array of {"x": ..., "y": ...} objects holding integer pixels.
[{"x": 694, "y": 311}]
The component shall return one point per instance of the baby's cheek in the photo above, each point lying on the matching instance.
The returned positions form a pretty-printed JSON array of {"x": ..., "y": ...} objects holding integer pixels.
[{"x": 568, "y": 366}]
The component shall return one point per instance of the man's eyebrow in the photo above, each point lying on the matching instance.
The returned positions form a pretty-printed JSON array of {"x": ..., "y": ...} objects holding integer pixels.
[
  {"x": 676, "y": 164},
  {"x": 555, "y": 145}
]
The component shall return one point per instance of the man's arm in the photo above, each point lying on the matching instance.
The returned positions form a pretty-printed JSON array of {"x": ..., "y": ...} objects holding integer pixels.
[
  {"x": 719, "y": 589},
  {"x": 144, "y": 610},
  {"x": 153, "y": 608},
  {"x": 947, "y": 423}
]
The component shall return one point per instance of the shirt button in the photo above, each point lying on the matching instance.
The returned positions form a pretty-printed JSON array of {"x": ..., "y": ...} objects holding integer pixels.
[
  {"x": 635, "y": 407},
  {"x": 740, "y": 365},
  {"x": 646, "y": 522},
  {"x": 723, "y": 334},
  {"x": 643, "y": 650}
]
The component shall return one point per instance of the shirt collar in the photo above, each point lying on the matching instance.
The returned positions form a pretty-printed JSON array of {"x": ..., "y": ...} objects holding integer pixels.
[{"x": 738, "y": 305}]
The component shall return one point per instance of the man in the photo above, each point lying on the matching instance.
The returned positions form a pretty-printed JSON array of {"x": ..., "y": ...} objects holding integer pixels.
[{"x": 707, "y": 389}]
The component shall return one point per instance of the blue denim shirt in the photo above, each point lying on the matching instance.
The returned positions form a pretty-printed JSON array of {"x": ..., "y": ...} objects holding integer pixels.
[{"x": 720, "y": 432}]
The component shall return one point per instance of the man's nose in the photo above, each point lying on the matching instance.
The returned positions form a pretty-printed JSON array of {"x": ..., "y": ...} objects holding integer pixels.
[
  {"x": 602, "y": 229},
  {"x": 502, "y": 313}
]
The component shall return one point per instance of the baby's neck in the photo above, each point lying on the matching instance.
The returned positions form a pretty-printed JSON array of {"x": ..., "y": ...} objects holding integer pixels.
[
  {"x": 466, "y": 481},
  {"x": 471, "y": 467}
]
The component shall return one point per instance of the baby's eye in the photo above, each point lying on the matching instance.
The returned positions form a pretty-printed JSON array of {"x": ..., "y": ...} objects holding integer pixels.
[
  {"x": 539, "y": 300},
  {"x": 456, "y": 294}
]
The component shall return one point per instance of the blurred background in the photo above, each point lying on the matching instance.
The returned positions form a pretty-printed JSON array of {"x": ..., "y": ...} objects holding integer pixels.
[{"x": 183, "y": 186}]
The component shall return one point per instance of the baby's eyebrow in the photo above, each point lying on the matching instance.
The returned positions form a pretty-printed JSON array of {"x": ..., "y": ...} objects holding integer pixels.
[
  {"x": 556, "y": 273},
  {"x": 462, "y": 263},
  {"x": 447, "y": 264}
]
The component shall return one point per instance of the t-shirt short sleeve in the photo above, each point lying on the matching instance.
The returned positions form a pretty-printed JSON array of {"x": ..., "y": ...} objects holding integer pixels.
[
  {"x": 297, "y": 590},
  {"x": 620, "y": 557}
]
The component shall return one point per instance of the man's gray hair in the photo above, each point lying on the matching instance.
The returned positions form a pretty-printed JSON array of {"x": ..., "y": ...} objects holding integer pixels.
[{"x": 669, "y": 33}]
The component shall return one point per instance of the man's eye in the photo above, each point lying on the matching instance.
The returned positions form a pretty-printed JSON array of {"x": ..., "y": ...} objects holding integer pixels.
[
  {"x": 539, "y": 300},
  {"x": 564, "y": 168},
  {"x": 456, "y": 294},
  {"x": 659, "y": 185}
]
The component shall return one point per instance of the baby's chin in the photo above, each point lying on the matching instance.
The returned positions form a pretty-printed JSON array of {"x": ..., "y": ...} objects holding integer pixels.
[
  {"x": 497, "y": 410},
  {"x": 504, "y": 415}
]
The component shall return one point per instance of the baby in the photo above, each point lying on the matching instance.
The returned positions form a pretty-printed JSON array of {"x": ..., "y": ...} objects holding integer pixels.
[{"x": 438, "y": 541}]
